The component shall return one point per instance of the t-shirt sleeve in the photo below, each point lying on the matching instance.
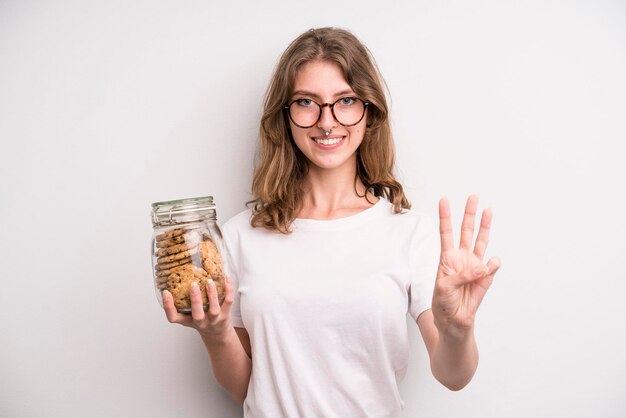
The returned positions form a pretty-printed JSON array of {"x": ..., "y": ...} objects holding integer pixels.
[
  {"x": 424, "y": 260},
  {"x": 231, "y": 260}
]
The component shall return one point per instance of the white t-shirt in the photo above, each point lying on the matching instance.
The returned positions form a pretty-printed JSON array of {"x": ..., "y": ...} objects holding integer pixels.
[{"x": 325, "y": 308}]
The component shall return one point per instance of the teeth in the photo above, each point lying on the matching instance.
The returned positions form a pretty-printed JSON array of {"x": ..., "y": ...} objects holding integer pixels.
[{"x": 329, "y": 141}]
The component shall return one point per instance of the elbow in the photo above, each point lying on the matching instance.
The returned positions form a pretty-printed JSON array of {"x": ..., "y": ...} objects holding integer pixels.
[
  {"x": 239, "y": 399},
  {"x": 238, "y": 396},
  {"x": 238, "y": 391},
  {"x": 455, "y": 386},
  {"x": 454, "y": 375},
  {"x": 454, "y": 381}
]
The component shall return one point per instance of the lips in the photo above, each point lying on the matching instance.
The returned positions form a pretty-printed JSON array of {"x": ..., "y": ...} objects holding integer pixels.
[{"x": 328, "y": 140}]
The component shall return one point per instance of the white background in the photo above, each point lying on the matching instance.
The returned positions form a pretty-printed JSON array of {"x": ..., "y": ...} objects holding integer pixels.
[{"x": 106, "y": 107}]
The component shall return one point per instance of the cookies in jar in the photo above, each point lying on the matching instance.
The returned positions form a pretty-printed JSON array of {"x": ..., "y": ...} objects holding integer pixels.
[{"x": 186, "y": 248}]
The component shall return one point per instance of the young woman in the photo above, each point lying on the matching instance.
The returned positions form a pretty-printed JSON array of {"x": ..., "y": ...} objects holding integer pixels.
[{"x": 328, "y": 260}]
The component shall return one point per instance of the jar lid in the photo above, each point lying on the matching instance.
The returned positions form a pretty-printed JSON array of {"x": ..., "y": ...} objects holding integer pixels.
[{"x": 174, "y": 212}]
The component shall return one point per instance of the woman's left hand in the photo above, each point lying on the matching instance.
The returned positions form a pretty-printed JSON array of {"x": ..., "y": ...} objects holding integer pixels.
[{"x": 462, "y": 277}]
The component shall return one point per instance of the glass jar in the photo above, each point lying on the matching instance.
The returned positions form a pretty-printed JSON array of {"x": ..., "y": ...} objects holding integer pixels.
[{"x": 186, "y": 247}]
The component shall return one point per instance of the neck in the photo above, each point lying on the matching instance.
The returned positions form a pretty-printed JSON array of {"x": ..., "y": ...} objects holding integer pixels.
[{"x": 331, "y": 194}]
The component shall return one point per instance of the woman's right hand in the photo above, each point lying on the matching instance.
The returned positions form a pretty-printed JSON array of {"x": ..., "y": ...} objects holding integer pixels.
[{"x": 213, "y": 324}]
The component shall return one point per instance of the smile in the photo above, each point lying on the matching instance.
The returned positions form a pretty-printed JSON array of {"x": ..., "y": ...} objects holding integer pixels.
[{"x": 328, "y": 141}]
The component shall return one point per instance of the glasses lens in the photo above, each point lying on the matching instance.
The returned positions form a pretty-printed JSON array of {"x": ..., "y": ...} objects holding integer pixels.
[
  {"x": 349, "y": 110},
  {"x": 304, "y": 112}
]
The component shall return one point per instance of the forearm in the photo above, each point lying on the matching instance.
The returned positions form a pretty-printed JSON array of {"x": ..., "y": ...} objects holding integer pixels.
[
  {"x": 455, "y": 359},
  {"x": 231, "y": 365}
]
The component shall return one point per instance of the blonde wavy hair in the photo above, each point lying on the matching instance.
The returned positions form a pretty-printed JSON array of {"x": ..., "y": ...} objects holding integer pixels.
[{"x": 281, "y": 168}]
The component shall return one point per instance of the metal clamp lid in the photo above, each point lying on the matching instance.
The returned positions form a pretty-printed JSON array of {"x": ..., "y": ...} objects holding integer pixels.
[{"x": 174, "y": 212}]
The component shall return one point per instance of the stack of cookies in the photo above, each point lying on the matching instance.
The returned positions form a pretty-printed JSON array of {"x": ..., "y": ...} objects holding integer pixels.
[{"x": 185, "y": 255}]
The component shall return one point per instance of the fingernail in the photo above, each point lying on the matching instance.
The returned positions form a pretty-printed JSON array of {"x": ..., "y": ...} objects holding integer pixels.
[
  {"x": 210, "y": 282},
  {"x": 194, "y": 287},
  {"x": 480, "y": 270}
]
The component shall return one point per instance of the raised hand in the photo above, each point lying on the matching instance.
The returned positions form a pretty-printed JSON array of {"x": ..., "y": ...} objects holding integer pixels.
[{"x": 462, "y": 278}]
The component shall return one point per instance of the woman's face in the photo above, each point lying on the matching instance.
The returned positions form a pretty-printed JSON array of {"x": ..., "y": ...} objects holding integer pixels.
[{"x": 323, "y": 82}]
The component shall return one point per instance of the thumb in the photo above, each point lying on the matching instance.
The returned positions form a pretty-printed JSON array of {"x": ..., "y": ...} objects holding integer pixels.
[{"x": 470, "y": 274}]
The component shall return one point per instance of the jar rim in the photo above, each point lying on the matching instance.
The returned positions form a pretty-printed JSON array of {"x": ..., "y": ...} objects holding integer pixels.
[
  {"x": 174, "y": 212},
  {"x": 189, "y": 200}
]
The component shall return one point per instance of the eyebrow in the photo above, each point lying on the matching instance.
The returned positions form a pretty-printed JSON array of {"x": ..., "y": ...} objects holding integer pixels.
[{"x": 311, "y": 94}]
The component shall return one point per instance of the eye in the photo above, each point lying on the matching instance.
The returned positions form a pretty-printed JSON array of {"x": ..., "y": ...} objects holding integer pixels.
[
  {"x": 304, "y": 102},
  {"x": 347, "y": 101}
]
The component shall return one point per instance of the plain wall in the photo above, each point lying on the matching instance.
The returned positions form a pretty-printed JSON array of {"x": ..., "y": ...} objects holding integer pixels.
[{"x": 106, "y": 107}]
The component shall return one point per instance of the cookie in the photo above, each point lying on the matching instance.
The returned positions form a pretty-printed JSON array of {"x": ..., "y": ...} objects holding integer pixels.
[
  {"x": 188, "y": 273},
  {"x": 164, "y": 279},
  {"x": 189, "y": 237},
  {"x": 175, "y": 249},
  {"x": 170, "y": 234},
  {"x": 167, "y": 266},
  {"x": 167, "y": 272},
  {"x": 177, "y": 256},
  {"x": 211, "y": 260},
  {"x": 180, "y": 283}
]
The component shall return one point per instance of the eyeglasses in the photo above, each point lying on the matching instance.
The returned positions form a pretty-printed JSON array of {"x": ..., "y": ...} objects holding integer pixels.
[{"x": 348, "y": 111}]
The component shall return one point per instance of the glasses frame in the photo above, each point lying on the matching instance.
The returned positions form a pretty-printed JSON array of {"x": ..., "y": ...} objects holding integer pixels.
[{"x": 287, "y": 108}]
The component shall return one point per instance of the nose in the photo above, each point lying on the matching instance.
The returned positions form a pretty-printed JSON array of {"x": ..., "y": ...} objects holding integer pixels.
[{"x": 327, "y": 121}]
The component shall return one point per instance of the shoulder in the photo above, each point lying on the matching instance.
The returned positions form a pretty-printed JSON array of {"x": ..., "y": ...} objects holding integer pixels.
[
  {"x": 232, "y": 230},
  {"x": 237, "y": 225},
  {"x": 411, "y": 220},
  {"x": 237, "y": 221}
]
